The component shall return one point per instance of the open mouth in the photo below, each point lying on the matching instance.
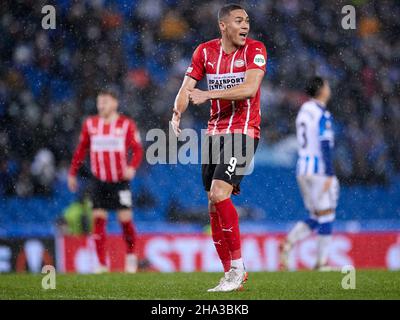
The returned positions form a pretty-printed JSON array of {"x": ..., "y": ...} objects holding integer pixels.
[{"x": 243, "y": 35}]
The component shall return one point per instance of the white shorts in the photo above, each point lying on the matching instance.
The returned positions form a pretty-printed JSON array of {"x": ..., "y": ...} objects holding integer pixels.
[{"x": 311, "y": 188}]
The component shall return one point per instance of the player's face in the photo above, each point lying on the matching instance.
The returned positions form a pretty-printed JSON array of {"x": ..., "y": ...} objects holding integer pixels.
[
  {"x": 326, "y": 91},
  {"x": 236, "y": 27},
  {"x": 106, "y": 105}
]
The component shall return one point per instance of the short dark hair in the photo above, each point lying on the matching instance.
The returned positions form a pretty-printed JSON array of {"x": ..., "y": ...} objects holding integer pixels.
[
  {"x": 111, "y": 90},
  {"x": 314, "y": 86},
  {"x": 226, "y": 10}
]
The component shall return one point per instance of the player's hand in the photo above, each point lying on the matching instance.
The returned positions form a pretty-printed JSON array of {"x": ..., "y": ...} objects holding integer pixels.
[
  {"x": 72, "y": 183},
  {"x": 129, "y": 173},
  {"x": 197, "y": 96},
  {"x": 327, "y": 184},
  {"x": 175, "y": 121}
]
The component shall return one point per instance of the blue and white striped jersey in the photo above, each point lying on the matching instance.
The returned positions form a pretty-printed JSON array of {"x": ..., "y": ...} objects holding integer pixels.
[{"x": 315, "y": 137}]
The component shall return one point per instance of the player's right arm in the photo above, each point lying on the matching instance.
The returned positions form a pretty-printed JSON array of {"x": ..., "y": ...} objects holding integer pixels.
[
  {"x": 194, "y": 73},
  {"x": 78, "y": 157},
  {"x": 181, "y": 102}
]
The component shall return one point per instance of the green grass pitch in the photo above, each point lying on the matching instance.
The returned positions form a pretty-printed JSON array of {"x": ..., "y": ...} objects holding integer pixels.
[{"x": 370, "y": 284}]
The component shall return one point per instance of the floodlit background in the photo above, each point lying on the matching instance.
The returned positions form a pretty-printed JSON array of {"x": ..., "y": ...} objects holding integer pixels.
[{"x": 48, "y": 84}]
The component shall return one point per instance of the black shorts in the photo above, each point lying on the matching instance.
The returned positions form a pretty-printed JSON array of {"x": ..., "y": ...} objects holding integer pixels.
[
  {"x": 227, "y": 157},
  {"x": 110, "y": 196}
]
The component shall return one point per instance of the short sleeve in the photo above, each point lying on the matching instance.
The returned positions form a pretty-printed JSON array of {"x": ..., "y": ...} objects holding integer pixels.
[
  {"x": 256, "y": 56},
  {"x": 197, "y": 70}
]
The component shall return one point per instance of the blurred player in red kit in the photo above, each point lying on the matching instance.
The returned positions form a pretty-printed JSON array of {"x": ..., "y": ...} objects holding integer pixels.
[
  {"x": 111, "y": 139},
  {"x": 234, "y": 66}
]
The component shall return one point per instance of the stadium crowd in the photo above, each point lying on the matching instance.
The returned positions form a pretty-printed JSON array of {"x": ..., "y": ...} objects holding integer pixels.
[{"x": 49, "y": 78}]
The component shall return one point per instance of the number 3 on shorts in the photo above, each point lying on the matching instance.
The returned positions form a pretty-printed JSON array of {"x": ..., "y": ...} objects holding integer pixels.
[{"x": 125, "y": 198}]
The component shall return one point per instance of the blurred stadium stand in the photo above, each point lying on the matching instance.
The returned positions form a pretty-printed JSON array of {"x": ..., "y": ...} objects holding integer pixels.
[{"x": 49, "y": 78}]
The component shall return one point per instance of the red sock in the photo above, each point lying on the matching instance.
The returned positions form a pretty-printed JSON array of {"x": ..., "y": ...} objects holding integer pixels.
[
  {"x": 219, "y": 241},
  {"x": 129, "y": 235},
  {"x": 230, "y": 226},
  {"x": 100, "y": 239}
]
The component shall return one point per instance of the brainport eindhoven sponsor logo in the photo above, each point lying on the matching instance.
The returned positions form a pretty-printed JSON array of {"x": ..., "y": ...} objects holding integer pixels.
[
  {"x": 234, "y": 150},
  {"x": 224, "y": 81}
]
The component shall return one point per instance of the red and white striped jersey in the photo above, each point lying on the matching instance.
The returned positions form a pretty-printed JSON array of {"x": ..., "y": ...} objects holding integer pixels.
[
  {"x": 109, "y": 144},
  {"x": 224, "y": 71}
]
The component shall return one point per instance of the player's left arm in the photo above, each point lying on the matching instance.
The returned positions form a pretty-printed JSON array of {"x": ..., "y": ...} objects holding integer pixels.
[
  {"x": 256, "y": 58},
  {"x": 248, "y": 89},
  {"x": 135, "y": 145},
  {"x": 326, "y": 137}
]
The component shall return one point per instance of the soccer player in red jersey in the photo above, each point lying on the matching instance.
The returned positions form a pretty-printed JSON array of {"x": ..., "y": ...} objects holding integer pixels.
[
  {"x": 234, "y": 66},
  {"x": 110, "y": 137}
]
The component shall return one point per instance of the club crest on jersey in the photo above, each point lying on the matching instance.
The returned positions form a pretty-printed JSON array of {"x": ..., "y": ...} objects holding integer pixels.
[
  {"x": 259, "y": 60},
  {"x": 239, "y": 63}
]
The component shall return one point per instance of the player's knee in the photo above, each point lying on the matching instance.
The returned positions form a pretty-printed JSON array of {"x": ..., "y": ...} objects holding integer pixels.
[
  {"x": 99, "y": 213},
  {"x": 218, "y": 194},
  {"x": 125, "y": 215},
  {"x": 321, "y": 213}
]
